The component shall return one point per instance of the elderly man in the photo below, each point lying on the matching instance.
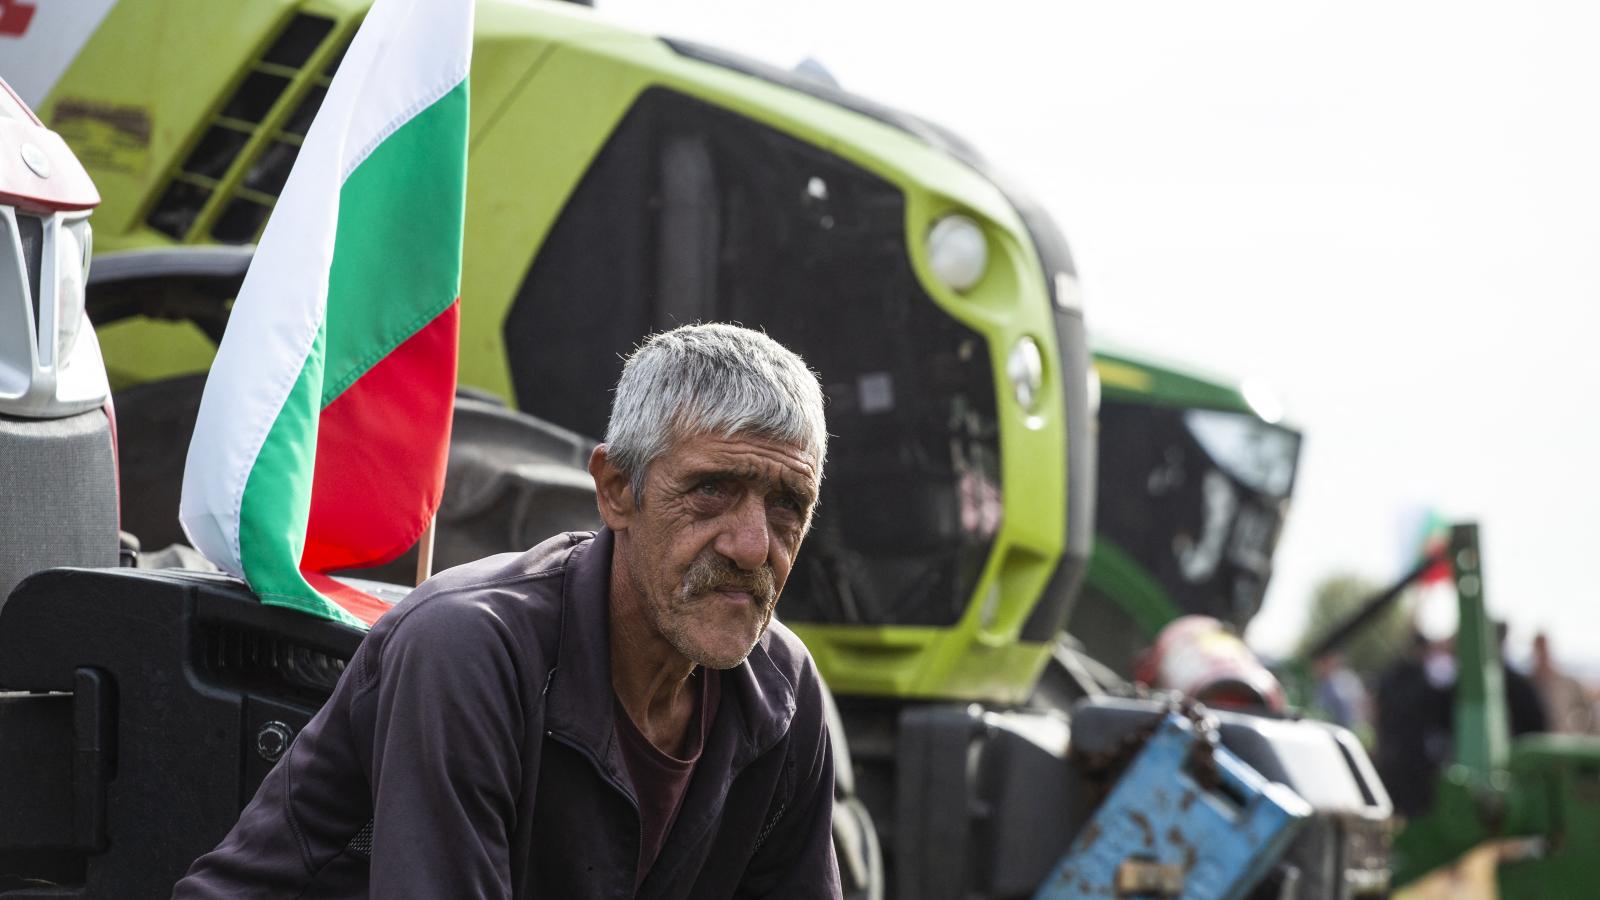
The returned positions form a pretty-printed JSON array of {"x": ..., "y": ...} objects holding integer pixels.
[{"x": 606, "y": 715}]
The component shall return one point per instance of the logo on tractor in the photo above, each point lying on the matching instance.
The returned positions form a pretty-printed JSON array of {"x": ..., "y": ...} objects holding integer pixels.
[{"x": 15, "y": 16}]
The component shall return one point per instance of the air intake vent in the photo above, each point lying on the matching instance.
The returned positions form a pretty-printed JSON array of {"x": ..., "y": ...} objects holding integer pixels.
[
  {"x": 298, "y": 41},
  {"x": 31, "y": 230},
  {"x": 269, "y": 662},
  {"x": 226, "y": 187}
]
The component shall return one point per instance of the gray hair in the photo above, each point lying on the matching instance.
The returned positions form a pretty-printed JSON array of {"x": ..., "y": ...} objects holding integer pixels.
[{"x": 711, "y": 379}]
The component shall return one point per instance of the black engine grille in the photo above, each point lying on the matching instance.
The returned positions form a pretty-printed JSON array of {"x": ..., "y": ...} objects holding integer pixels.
[{"x": 247, "y": 658}]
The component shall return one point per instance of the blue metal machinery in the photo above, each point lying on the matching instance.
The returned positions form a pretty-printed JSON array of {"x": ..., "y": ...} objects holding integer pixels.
[{"x": 1188, "y": 819}]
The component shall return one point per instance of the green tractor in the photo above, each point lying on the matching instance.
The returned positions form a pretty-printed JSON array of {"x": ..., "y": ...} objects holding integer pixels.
[
  {"x": 623, "y": 183},
  {"x": 1194, "y": 484}
]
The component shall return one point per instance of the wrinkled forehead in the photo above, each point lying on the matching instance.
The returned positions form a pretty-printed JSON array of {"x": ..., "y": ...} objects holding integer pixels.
[{"x": 749, "y": 456}]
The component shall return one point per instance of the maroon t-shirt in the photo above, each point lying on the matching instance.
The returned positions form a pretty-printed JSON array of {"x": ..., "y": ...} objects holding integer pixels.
[{"x": 660, "y": 780}]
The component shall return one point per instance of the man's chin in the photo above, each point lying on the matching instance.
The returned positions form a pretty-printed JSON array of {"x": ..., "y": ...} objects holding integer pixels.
[
  {"x": 721, "y": 657},
  {"x": 724, "y": 664},
  {"x": 719, "y": 629},
  {"x": 725, "y": 654}
]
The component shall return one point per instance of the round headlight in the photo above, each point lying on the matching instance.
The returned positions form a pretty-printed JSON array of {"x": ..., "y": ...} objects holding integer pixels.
[
  {"x": 957, "y": 252},
  {"x": 1025, "y": 368},
  {"x": 71, "y": 251}
]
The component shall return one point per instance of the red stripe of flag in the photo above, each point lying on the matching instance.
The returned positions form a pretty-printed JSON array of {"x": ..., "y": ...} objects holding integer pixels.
[{"x": 394, "y": 418}]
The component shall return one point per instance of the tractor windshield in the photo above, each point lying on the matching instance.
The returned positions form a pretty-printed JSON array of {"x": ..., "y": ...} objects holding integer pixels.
[
  {"x": 1196, "y": 498},
  {"x": 692, "y": 213}
]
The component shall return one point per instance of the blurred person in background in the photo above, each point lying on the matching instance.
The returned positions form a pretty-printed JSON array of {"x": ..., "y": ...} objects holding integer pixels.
[
  {"x": 1566, "y": 702},
  {"x": 1341, "y": 694},
  {"x": 1414, "y": 740},
  {"x": 1524, "y": 707}
]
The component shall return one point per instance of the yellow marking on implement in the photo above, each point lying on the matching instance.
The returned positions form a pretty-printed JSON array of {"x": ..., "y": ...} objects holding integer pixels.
[{"x": 1118, "y": 375}]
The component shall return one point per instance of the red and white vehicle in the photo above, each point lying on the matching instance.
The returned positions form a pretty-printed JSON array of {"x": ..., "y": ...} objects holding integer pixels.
[{"x": 57, "y": 437}]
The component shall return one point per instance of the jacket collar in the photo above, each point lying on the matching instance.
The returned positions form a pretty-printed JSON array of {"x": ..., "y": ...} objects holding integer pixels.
[{"x": 757, "y": 698}]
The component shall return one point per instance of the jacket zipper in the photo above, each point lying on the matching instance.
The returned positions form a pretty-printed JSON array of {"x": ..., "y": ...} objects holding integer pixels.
[
  {"x": 586, "y": 753},
  {"x": 625, "y": 790}
]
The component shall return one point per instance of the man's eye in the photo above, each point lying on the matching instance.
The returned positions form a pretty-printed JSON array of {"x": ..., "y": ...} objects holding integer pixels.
[
  {"x": 787, "y": 502},
  {"x": 709, "y": 488}
]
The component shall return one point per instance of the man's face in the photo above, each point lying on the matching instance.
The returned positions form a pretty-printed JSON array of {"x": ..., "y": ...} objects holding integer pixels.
[{"x": 710, "y": 548}]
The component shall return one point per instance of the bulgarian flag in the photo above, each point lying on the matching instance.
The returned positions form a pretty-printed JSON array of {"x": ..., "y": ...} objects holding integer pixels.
[
  {"x": 325, "y": 424},
  {"x": 1433, "y": 540}
]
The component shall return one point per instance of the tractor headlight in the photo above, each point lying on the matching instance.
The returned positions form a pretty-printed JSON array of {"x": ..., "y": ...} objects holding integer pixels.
[
  {"x": 72, "y": 271},
  {"x": 1025, "y": 368},
  {"x": 957, "y": 252}
]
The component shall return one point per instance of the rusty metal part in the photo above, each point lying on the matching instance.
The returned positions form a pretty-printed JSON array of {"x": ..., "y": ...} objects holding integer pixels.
[{"x": 1148, "y": 878}]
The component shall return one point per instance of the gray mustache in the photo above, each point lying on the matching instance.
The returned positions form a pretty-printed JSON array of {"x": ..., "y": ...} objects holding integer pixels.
[{"x": 708, "y": 573}]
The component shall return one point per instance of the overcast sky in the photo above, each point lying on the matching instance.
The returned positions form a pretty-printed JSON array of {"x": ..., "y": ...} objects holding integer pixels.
[{"x": 1387, "y": 211}]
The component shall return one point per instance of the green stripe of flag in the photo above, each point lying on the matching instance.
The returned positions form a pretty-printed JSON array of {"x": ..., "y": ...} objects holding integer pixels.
[
  {"x": 280, "y": 485},
  {"x": 417, "y": 174}
]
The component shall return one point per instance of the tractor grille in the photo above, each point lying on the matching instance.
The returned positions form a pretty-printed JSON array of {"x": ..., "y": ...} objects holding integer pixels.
[
  {"x": 227, "y": 185},
  {"x": 262, "y": 661}
]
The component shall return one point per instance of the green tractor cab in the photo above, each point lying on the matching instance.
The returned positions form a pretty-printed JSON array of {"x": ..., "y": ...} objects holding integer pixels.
[{"x": 1194, "y": 485}]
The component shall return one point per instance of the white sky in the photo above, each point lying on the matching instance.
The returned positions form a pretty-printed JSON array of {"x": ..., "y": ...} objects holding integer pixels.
[{"x": 1387, "y": 211}]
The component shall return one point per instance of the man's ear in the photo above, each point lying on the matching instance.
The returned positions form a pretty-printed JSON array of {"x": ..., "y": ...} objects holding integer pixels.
[{"x": 613, "y": 490}]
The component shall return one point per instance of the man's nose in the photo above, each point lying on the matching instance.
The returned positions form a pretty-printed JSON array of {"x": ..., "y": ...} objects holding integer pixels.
[{"x": 743, "y": 540}]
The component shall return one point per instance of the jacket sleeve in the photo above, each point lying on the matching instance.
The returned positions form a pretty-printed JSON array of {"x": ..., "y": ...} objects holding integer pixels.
[
  {"x": 795, "y": 856},
  {"x": 446, "y": 724}
]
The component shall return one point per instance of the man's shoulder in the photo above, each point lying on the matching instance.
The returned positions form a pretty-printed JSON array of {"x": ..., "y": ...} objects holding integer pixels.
[
  {"x": 509, "y": 593},
  {"x": 788, "y": 652},
  {"x": 789, "y": 656},
  {"x": 544, "y": 561}
]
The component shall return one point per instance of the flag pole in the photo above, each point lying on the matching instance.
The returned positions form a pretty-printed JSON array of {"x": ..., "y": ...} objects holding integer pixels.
[{"x": 425, "y": 550}]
